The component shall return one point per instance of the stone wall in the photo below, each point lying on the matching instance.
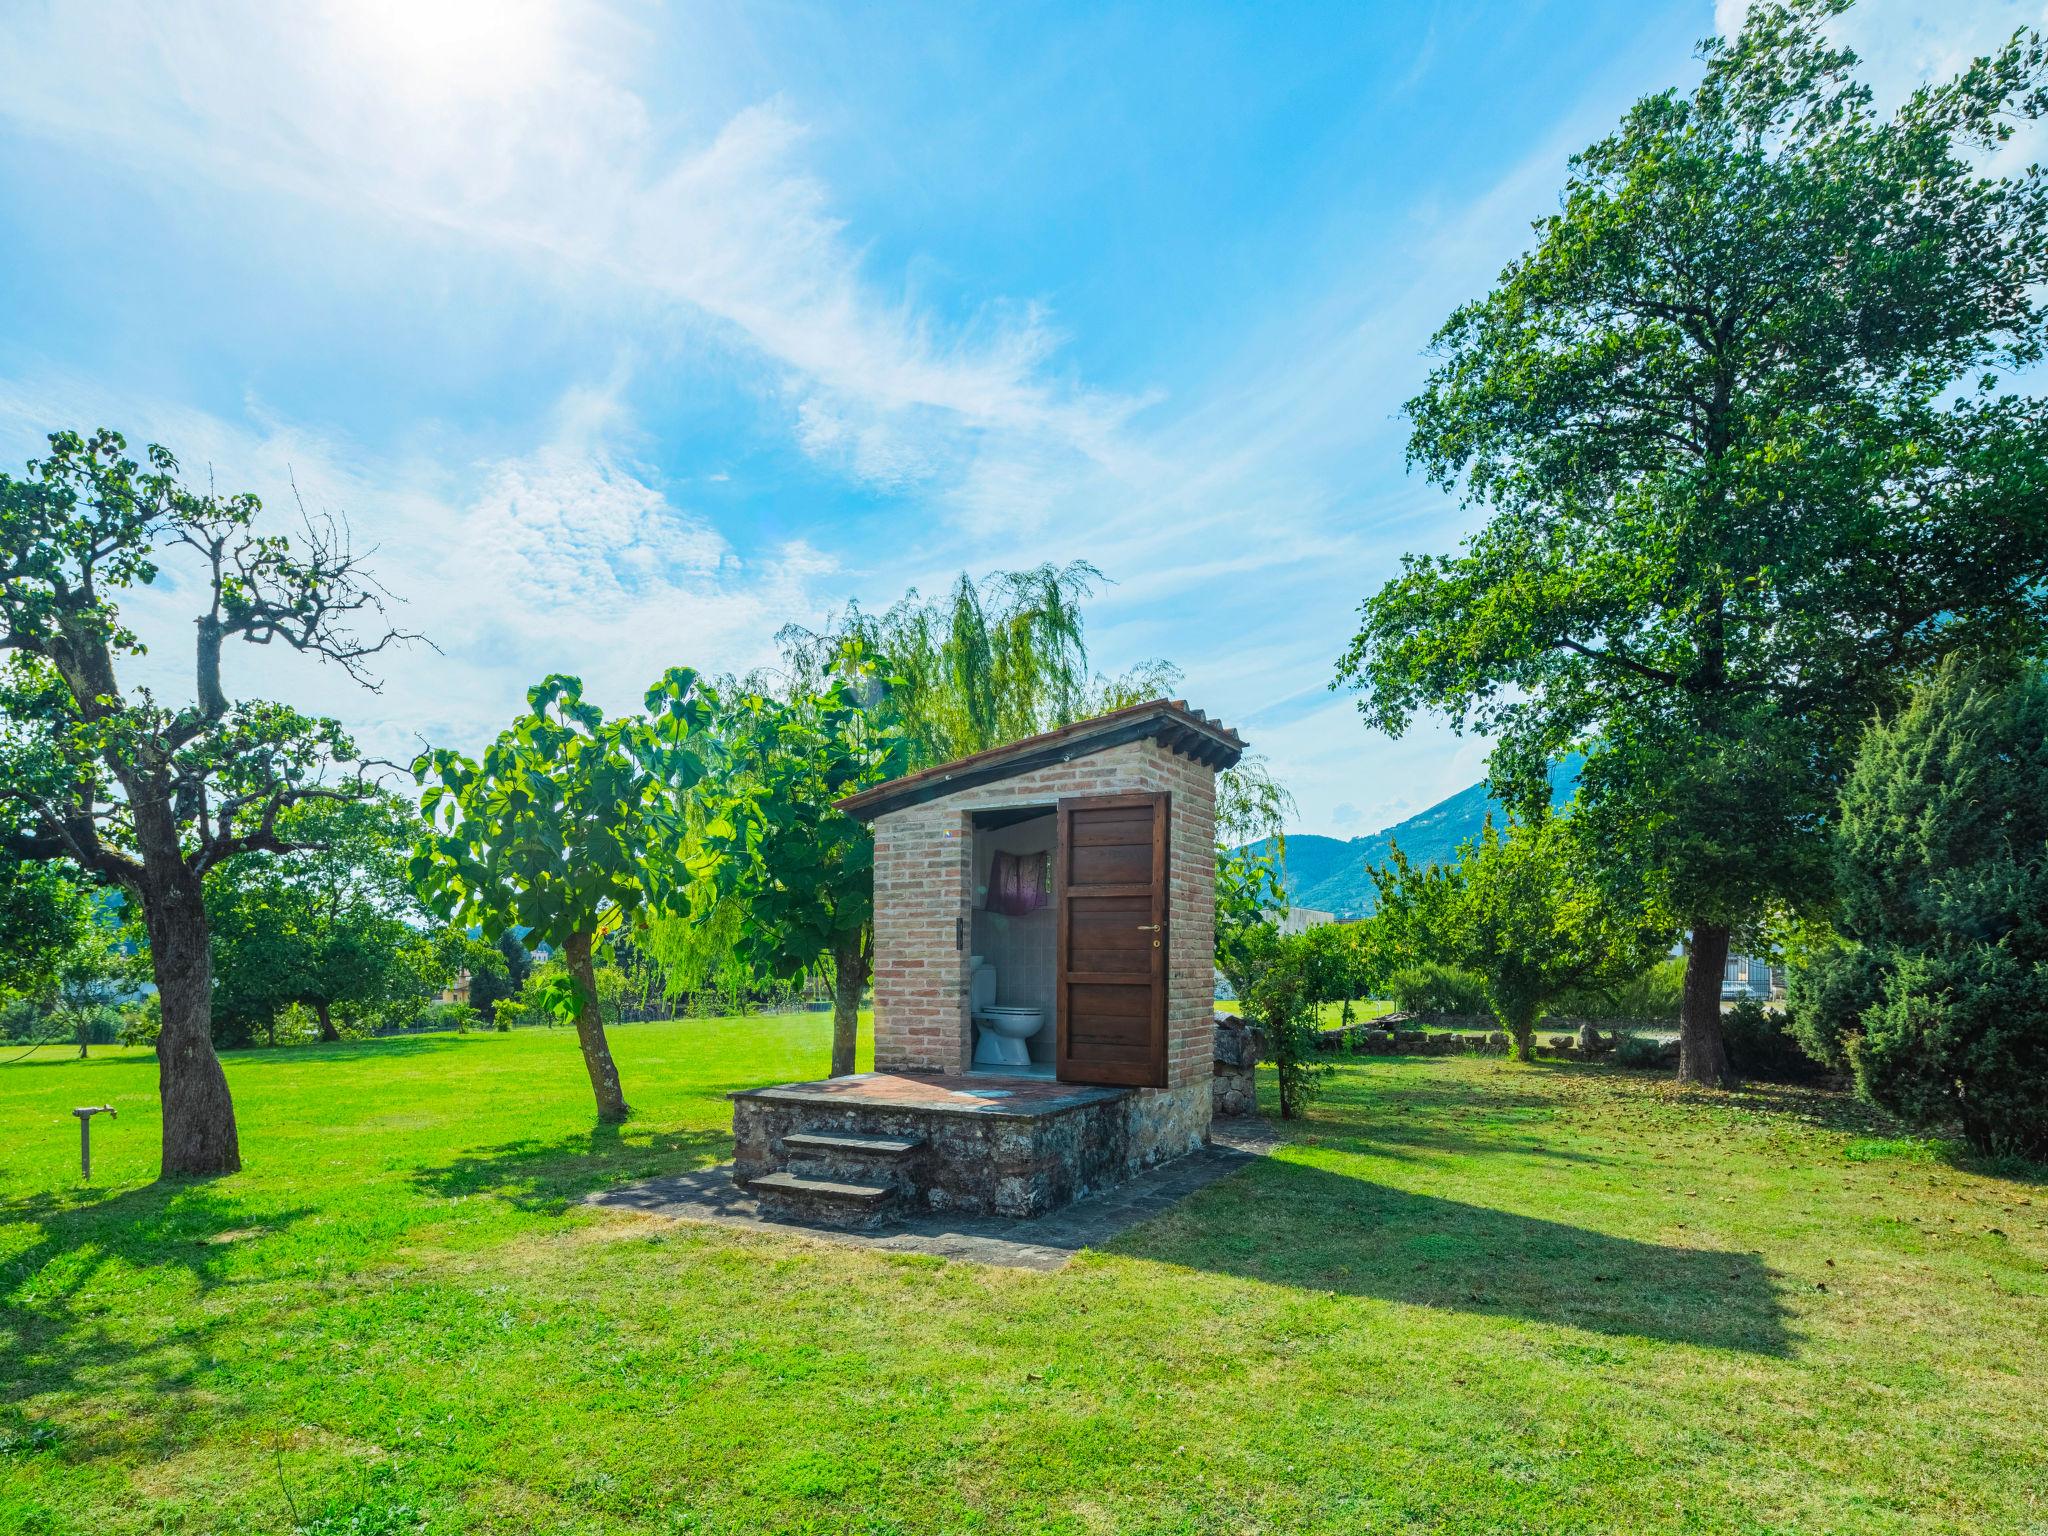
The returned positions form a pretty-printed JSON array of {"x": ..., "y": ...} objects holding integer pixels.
[
  {"x": 1234, "y": 1087},
  {"x": 924, "y": 884},
  {"x": 1455, "y": 1034}
]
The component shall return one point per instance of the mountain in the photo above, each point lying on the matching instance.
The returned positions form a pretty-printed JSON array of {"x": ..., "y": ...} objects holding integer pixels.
[{"x": 1328, "y": 874}]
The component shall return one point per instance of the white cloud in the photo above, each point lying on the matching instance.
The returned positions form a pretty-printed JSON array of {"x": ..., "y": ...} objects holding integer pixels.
[
  {"x": 566, "y": 558},
  {"x": 514, "y": 124},
  {"x": 511, "y": 124}
]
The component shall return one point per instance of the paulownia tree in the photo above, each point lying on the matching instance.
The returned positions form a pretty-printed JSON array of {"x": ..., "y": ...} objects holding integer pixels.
[
  {"x": 551, "y": 833},
  {"x": 774, "y": 841},
  {"x": 140, "y": 793},
  {"x": 1738, "y": 420}
]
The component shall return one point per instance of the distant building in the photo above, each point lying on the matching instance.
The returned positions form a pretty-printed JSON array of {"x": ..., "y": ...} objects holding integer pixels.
[
  {"x": 1301, "y": 919},
  {"x": 1747, "y": 976}
]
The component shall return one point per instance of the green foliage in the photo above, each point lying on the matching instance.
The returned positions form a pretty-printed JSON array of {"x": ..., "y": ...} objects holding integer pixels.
[
  {"x": 1762, "y": 1045},
  {"x": 991, "y": 663},
  {"x": 1740, "y": 423},
  {"x": 47, "y": 914},
  {"x": 552, "y": 833},
  {"x": 1655, "y": 994},
  {"x": 773, "y": 841},
  {"x": 1638, "y": 1053},
  {"x": 490, "y": 968},
  {"x": 451, "y": 1016},
  {"x": 1252, "y": 808},
  {"x": 1940, "y": 1002},
  {"x": 332, "y": 925},
  {"x": 1428, "y": 986},
  {"x": 145, "y": 794},
  {"x": 1522, "y": 912},
  {"x": 1286, "y": 981},
  {"x": 1828, "y": 992}
]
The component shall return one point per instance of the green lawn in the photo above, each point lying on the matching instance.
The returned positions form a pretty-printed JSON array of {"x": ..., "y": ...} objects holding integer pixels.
[{"x": 1466, "y": 1297}]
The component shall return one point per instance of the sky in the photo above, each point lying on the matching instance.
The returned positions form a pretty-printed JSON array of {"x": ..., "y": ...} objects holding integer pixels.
[{"x": 625, "y": 334}]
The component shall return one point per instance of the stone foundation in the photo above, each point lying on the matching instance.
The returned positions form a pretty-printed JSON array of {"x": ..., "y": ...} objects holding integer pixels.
[
  {"x": 974, "y": 1156},
  {"x": 1164, "y": 1123}
]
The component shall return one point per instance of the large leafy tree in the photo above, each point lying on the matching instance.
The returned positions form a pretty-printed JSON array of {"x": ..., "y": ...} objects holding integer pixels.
[
  {"x": 1739, "y": 421},
  {"x": 334, "y": 924},
  {"x": 551, "y": 834},
  {"x": 773, "y": 841},
  {"x": 140, "y": 793},
  {"x": 1520, "y": 910}
]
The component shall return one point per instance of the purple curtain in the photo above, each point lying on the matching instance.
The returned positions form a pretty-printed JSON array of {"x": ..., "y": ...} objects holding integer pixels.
[{"x": 1018, "y": 883}]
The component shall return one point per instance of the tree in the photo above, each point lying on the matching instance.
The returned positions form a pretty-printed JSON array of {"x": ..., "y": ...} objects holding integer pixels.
[
  {"x": 489, "y": 968},
  {"x": 134, "y": 792},
  {"x": 994, "y": 662},
  {"x": 1738, "y": 420},
  {"x": 1939, "y": 995},
  {"x": 46, "y": 914},
  {"x": 1252, "y": 808},
  {"x": 774, "y": 840},
  {"x": 551, "y": 834},
  {"x": 1285, "y": 980},
  {"x": 332, "y": 924},
  {"x": 1521, "y": 910}
]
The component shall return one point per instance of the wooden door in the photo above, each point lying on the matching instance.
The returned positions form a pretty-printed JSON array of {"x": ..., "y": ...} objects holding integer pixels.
[{"x": 1111, "y": 883}]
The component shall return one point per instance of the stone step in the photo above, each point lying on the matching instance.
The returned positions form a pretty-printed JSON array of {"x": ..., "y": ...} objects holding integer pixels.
[
  {"x": 822, "y": 1200},
  {"x": 851, "y": 1144}
]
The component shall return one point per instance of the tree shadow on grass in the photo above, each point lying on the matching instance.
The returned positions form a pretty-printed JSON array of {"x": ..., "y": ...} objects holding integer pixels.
[
  {"x": 79, "y": 1317},
  {"x": 551, "y": 1176},
  {"x": 1291, "y": 1224}
]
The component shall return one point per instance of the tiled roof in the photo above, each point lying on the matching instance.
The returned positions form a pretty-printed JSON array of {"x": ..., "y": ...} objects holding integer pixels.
[{"x": 1168, "y": 721}]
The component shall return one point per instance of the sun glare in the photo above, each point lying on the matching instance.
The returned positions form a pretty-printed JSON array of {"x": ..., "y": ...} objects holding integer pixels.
[{"x": 450, "y": 48}]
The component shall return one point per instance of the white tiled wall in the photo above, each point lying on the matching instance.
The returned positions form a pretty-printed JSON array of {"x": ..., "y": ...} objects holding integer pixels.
[{"x": 1023, "y": 950}]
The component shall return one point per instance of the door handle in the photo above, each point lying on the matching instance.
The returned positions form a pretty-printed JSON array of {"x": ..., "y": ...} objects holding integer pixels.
[{"x": 1148, "y": 927}]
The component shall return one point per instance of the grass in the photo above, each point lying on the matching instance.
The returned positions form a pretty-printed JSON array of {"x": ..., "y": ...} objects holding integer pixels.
[{"x": 1466, "y": 1296}]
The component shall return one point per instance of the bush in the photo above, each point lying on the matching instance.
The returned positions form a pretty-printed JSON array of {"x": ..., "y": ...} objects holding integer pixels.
[
  {"x": 1943, "y": 873},
  {"x": 1639, "y": 1052},
  {"x": 455, "y": 1016},
  {"x": 1428, "y": 987},
  {"x": 1963, "y": 1036},
  {"x": 1655, "y": 994},
  {"x": 142, "y": 1021},
  {"x": 1826, "y": 997},
  {"x": 1761, "y": 1045}
]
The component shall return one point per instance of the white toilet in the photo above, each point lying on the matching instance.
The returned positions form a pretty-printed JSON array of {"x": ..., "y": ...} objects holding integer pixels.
[{"x": 1000, "y": 1033}]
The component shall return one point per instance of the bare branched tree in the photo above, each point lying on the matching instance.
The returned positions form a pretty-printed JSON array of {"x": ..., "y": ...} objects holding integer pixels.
[{"x": 136, "y": 792}]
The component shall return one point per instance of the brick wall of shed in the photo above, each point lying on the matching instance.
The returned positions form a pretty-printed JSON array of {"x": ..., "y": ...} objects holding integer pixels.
[{"x": 924, "y": 884}]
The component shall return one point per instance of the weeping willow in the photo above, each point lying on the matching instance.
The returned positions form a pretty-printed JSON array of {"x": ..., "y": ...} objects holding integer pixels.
[{"x": 989, "y": 663}]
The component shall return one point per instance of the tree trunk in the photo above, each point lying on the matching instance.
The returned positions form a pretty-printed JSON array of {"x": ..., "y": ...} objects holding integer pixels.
[
  {"x": 849, "y": 976},
  {"x": 1702, "y": 1058},
  {"x": 597, "y": 1051},
  {"x": 1521, "y": 1030},
  {"x": 327, "y": 1030},
  {"x": 199, "y": 1137}
]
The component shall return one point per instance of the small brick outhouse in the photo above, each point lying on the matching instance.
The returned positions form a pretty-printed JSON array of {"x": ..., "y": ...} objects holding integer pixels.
[{"x": 1113, "y": 819}]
